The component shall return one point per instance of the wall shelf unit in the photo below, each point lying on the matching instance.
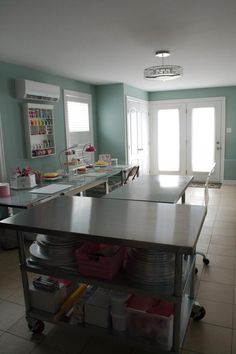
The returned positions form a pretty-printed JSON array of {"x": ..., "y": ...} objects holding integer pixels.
[{"x": 40, "y": 132}]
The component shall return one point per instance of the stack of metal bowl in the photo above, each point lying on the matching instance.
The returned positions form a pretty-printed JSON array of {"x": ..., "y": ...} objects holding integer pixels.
[
  {"x": 149, "y": 268},
  {"x": 54, "y": 250}
]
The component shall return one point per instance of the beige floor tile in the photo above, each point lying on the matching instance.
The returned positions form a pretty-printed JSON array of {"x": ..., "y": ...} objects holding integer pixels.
[
  {"x": 10, "y": 344},
  {"x": 234, "y": 316},
  {"x": 221, "y": 261},
  {"x": 204, "y": 238},
  {"x": 17, "y": 297},
  {"x": 220, "y": 240},
  {"x": 20, "y": 329},
  {"x": 202, "y": 247},
  {"x": 9, "y": 314},
  {"x": 234, "y": 342},
  {"x": 43, "y": 349},
  {"x": 221, "y": 224},
  {"x": 216, "y": 292},
  {"x": 67, "y": 338},
  {"x": 223, "y": 231},
  {"x": 8, "y": 287},
  {"x": 222, "y": 250},
  {"x": 208, "y": 339},
  {"x": 217, "y": 313},
  {"x": 207, "y": 230},
  {"x": 218, "y": 275},
  {"x": 110, "y": 345}
]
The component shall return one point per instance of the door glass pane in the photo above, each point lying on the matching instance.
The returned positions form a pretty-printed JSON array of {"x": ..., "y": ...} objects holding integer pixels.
[
  {"x": 203, "y": 139},
  {"x": 133, "y": 132},
  {"x": 168, "y": 140}
]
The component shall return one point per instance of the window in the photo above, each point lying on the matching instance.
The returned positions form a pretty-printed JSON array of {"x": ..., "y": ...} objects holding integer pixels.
[{"x": 78, "y": 118}]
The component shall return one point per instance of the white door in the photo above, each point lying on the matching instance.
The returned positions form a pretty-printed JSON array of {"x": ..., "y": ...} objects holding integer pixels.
[
  {"x": 138, "y": 134},
  {"x": 204, "y": 142},
  {"x": 187, "y": 138}
]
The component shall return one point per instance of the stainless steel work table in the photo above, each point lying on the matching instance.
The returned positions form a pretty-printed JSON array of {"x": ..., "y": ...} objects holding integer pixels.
[
  {"x": 23, "y": 199},
  {"x": 150, "y": 188},
  {"x": 168, "y": 227}
]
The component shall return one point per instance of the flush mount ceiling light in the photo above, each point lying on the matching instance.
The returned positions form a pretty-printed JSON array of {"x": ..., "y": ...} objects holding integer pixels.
[{"x": 163, "y": 72}]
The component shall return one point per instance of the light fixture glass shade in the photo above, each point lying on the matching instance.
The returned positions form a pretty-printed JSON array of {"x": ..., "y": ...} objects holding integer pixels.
[{"x": 163, "y": 72}]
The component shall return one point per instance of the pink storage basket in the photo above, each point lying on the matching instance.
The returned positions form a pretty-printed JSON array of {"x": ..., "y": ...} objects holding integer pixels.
[{"x": 99, "y": 260}]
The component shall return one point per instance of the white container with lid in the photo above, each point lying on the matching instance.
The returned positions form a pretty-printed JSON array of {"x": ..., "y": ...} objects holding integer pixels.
[
  {"x": 118, "y": 302},
  {"x": 119, "y": 323}
]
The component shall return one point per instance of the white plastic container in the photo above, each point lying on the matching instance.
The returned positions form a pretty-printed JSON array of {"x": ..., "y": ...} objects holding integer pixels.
[
  {"x": 97, "y": 308},
  {"x": 118, "y": 303},
  {"x": 119, "y": 323}
]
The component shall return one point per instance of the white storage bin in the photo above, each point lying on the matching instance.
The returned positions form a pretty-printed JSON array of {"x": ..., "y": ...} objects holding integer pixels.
[
  {"x": 119, "y": 322},
  {"x": 118, "y": 302},
  {"x": 97, "y": 308},
  {"x": 47, "y": 301}
]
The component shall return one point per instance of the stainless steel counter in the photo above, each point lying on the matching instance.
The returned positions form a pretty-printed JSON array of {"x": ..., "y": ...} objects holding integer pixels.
[
  {"x": 169, "y": 227},
  {"x": 160, "y": 188}
]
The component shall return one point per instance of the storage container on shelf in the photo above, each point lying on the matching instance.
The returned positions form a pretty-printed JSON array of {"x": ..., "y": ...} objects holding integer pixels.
[
  {"x": 152, "y": 321},
  {"x": 99, "y": 260}
]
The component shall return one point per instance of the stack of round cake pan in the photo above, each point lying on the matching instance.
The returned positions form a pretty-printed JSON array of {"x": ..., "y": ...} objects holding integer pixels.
[
  {"x": 54, "y": 250},
  {"x": 149, "y": 268}
]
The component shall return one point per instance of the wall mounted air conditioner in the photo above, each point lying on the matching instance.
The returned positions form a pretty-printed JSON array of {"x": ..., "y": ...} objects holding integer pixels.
[{"x": 37, "y": 91}]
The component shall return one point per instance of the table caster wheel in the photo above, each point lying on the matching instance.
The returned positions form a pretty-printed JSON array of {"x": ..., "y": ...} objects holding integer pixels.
[
  {"x": 36, "y": 326},
  {"x": 206, "y": 261},
  {"x": 198, "y": 312}
]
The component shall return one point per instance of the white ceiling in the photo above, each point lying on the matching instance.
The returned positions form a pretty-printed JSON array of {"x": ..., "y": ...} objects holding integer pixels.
[{"x": 110, "y": 41}]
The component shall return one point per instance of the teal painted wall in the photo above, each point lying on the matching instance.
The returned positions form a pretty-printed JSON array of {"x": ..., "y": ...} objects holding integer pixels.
[
  {"x": 110, "y": 120},
  {"x": 12, "y": 116},
  {"x": 134, "y": 92},
  {"x": 230, "y": 119},
  {"x": 111, "y": 117}
]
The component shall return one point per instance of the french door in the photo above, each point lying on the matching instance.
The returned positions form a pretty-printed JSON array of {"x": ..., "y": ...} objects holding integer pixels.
[
  {"x": 188, "y": 137},
  {"x": 138, "y": 133}
]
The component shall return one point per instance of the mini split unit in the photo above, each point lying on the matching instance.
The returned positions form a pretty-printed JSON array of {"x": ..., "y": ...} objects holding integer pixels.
[{"x": 37, "y": 91}]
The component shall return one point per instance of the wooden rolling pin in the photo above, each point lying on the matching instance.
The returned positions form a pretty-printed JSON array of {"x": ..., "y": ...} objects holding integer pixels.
[{"x": 70, "y": 301}]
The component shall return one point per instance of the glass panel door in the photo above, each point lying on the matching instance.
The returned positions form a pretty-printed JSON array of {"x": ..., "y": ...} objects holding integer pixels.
[
  {"x": 138, "y": 134},
  {"x": 203, "y": 139},
  {"x": 187, "y": 138},
  {"x": 168, "y": 140}
]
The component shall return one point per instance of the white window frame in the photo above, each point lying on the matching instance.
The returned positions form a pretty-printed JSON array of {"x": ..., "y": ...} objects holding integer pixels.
[{"x": 82, "y": 98}]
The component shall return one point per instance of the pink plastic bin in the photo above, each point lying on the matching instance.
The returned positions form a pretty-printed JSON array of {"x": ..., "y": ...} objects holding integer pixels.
[{"x": 99, "y": 260}]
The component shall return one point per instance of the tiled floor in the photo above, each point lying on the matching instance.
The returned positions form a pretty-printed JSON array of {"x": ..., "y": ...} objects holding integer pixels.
[{"x": 216, "y": 291}]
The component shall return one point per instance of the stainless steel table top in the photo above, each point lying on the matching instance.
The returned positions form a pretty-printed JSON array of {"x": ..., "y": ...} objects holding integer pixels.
[
  {"x": 160, "y": 188},
  {"x": 169, "y": 227}
]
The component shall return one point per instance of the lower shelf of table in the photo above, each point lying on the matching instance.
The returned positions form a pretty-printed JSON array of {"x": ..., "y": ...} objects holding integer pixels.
[{"x": 122, "y": 336}]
